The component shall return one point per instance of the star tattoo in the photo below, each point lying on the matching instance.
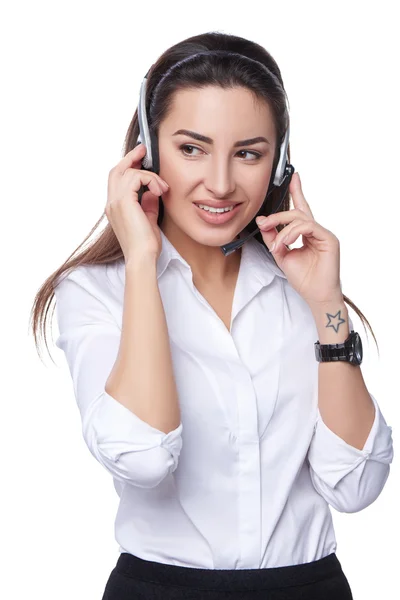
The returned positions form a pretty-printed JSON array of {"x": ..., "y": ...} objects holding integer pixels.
[{"x": 338, "y": 323}]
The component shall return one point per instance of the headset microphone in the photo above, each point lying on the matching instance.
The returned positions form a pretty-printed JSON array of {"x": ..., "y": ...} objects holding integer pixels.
[{"x": 283, "y": 187}]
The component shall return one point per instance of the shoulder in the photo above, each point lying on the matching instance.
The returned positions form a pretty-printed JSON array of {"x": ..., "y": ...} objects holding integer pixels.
[
  {"x": 99, "y": 280},
  {"x": 96, "y": 290}
]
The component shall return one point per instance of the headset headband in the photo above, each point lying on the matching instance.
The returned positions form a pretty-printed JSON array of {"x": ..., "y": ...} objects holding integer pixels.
[{"x": 151, "y": 160}]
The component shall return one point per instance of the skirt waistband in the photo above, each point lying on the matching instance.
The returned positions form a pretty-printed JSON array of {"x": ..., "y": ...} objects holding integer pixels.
[{"x": 227, "y": 579}]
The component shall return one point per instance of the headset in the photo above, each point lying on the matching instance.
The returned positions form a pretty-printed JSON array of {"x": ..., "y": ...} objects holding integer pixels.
[{"x": 151, "y": 161}]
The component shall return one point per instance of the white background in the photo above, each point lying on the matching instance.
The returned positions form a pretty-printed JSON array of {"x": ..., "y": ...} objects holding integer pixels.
[{"x": 71, "y": 74}]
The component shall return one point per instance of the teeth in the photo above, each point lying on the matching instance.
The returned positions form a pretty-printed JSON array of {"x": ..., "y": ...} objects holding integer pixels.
[{"x": 216, "y": 210}]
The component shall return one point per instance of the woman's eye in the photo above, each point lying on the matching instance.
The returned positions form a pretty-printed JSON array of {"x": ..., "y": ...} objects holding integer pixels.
[
  {"x": 183, "y": 147},
  {"x": 255, "y": 155},
  {"x": 188, "y": 146}
]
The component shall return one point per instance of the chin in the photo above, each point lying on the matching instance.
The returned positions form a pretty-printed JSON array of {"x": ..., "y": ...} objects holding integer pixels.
[{"x": 213, "y": 238}]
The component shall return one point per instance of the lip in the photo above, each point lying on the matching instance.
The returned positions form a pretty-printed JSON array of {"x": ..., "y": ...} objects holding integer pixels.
[{"x": 218, "y": 218}]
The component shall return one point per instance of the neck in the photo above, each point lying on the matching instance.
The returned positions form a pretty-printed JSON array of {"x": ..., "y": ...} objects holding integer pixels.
[{"x": 208, "y": 263}]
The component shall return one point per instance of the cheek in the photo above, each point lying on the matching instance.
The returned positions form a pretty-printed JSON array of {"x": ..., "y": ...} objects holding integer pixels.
[
  {"x": 176, "y": 177},
  {"x": 256, "y": 190},
  {"x": 167, "y": 170},
  {"x": 180, "y": 183}
]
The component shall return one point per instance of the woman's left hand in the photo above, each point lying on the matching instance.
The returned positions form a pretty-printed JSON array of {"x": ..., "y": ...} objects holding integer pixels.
[{"x": 314, "y": 269}]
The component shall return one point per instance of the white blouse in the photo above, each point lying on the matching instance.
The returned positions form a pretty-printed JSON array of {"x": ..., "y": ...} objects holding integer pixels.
[{"x": 246, "y": 480}]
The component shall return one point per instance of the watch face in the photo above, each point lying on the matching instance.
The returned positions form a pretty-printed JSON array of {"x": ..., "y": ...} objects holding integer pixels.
[{"x": 358, "y": 349}]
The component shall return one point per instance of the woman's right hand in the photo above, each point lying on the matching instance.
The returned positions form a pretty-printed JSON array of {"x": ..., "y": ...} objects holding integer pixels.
[{"x": 134, "y": 224}]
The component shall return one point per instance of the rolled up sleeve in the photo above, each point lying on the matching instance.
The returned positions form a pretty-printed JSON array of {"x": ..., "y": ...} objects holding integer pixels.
[
  {"x": 348, "y": 478},
  {"x": 132, "y": 450}
]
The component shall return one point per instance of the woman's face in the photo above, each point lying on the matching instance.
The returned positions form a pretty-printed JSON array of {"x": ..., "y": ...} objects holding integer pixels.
[{"x": 218, "y": 169}]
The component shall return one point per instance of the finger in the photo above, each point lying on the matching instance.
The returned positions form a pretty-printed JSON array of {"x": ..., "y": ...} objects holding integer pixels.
[
  {"x": 298, "y": 197},
  {"x": 133, "y": 157},
  {"x": 131, "y": 176},
  {"x": 135, "y": 177},
  {"x": 309, "y": 229},
  {"x": 281, "y": 218},
  {"x": 269, "y": 235},
  {"x": 283, "y": 234},
  {"x": 150, "y": 204}
]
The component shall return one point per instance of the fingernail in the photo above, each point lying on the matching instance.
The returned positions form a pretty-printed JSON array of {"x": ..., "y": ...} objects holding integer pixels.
[
  {"x": 272, "y": 247},
  {"x": 261, "y": 220}
]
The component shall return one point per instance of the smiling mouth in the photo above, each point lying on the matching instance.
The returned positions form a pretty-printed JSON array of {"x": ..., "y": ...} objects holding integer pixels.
[
  {"x": 216, "y": 205},
  {"x": 218, "y": 217}
]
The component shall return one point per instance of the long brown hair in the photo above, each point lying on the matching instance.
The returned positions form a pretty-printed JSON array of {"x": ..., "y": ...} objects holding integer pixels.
[{"x": 195, "y": 72}]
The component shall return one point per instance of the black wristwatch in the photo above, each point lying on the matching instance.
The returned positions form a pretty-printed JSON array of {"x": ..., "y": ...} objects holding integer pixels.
[{"x": 350, "y": 350}]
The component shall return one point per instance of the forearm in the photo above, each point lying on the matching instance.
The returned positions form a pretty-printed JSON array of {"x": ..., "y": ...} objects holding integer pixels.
[
  {"x": 343, "y": 399},
  {"x": 142, "y": 377}
]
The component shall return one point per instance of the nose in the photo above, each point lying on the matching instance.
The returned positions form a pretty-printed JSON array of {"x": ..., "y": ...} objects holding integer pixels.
[{"x": 219, "y": 178}]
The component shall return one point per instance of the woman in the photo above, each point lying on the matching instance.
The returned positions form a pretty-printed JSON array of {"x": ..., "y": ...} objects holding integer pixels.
[{"x": 196, "y": 371}]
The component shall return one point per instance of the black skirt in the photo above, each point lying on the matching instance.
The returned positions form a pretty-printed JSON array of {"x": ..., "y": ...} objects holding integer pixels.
[{"x": 136, "y": 579}]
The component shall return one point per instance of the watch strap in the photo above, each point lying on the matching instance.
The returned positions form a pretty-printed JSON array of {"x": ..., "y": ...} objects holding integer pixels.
[{"x": 334, "y": 352}]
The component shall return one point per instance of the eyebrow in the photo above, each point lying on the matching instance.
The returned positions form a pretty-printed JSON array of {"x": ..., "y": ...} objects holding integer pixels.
[{"x": 208, "y": 140}]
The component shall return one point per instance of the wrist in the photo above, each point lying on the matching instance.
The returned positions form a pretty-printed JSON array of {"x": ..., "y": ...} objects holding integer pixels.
[
  {"x": 140, "y": 262},
  {"x": 332, "y": 321}
]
